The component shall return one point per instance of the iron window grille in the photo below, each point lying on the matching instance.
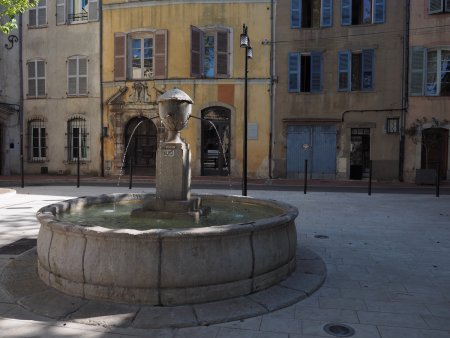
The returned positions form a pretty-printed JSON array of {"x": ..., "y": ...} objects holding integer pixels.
[
  {"x": 78, "y": 138},
  {"x": 37, "y": 140},
  {"x": 392, "y": 125}
]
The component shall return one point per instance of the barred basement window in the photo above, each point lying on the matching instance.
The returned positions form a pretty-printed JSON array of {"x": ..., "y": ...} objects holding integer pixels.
[
  {"x": 37, "y": 140},
  {"x": 77, "y": 140},
  {"x": 392, "y": 125}
]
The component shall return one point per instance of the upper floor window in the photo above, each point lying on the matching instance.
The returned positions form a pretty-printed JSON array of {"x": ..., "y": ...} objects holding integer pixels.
[
  {"x": 438, "y": 6},
  {"x": 356, "y": 70},
  {"x": 140, "y": 55},
  {"x": 37, "y": 16},
  {"x": 210, "y": 56},
  {"x": 76, "y": 11},
  {"x": 358, "y": 12},
  {"x": 36, "y": 78},
  {"x": 77, "y": 74},
  {"x": 305, "y": 72},
  {"x": 37, "y": 140},
  {"x": 311, "y": 13},
  {"x": 430, "y": 71},
  {"x": 77, "y": 140}
]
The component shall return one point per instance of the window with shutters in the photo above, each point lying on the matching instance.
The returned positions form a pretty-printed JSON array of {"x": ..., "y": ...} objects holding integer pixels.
[
  {"x": 36, "y": 78},
  {"x": 77, "y": 140},
  {"x": 356, "y": 70},
  {"x": 429, "y": 71},
  {"x": 37, "y": 140},
  {"x": 140, "y": 56},
  {"x": 438, "y": 6},
  {"x": 305, "y": 72},
  {"x": 78, "y": 10},
  {"x": 362, "y": 12},
  {"x": 210, "y": 56},
  {"x": 77, "y": 76},
  {"x": 311, "y": 13},
  {"x": 37, "y": 16}
]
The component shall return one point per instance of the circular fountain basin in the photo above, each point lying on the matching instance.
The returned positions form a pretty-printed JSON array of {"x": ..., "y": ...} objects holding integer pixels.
[{"x": 171, "y": 266}]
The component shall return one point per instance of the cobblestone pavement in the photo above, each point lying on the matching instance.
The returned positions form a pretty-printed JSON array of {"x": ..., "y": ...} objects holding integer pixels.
[{"x": 387, "y": 258}]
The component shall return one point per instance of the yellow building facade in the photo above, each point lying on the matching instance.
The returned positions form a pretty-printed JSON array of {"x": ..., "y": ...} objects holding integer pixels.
[{"x": 150, "y": 47}]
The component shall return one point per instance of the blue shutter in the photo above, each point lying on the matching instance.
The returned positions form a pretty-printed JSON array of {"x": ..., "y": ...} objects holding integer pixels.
[
  {"x": 316, "y": 72},
  {"x": 294, "y": 73},
  {"x": 326, "y": 17},
  {"x": 417, "y": 70},
  {"x": 296, "y": 9},
  {"x": 368, "y": 63},
  {"x": 346, "y": 12},
  {"x": 378, "y": 11},
  {"x": 344, "y": 64}
]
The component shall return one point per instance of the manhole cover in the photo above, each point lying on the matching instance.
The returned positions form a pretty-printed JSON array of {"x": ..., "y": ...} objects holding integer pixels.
[
  {"x": 321, "y": 236},
  {"x": 18, "y": 247},
  {"x": 339, "y": 330}
]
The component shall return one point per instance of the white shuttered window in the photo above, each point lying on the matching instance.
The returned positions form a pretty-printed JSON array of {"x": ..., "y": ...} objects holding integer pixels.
[
  {"x": 36, "y": 78},
  {"x": 77, "y": 75},
  {"x": 37, "y": 16}
]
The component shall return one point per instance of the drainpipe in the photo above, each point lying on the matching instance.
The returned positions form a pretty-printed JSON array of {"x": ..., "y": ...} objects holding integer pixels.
[
  {"x": 272, "y": 85},
  {"x": 368, "y": 110},
  {"x": 102, "y": 136},
  {"x": 21, "y": 102},
  {"x": 405, "y": 90}
]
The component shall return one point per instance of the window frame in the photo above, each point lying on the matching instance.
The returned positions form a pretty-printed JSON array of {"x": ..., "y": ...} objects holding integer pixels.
[
  {"x": 365, "y": 68},
  {"x": 222, "y": 58},
  {"x": 438, "y": 73},
  {"x": 79, "y": 124},
  {"x": 140, "y": 36},
  {"x": 36, "y": 78},
  {"x": 77, "y": 76},
  {"x": 444, "y": 6},
  {"x": 377, "y": 12},
  {"x": 315, "y": 72},
  {"x": 40, "y": 126},
  {"x": 36, "y": 10},
  {"x": 325, "y": 14},
  {"x": 392, "y": 125}
]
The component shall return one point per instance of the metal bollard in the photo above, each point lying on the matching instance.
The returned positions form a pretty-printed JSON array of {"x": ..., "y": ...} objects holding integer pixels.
[
  {"x": 370, "y": 177},
  {"x": 131, "y": 173},
  {"x": 438, "y": 181},
  {"x": 306, "y": 177}
]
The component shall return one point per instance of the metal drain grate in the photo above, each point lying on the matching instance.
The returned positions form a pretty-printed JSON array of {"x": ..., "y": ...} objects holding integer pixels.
[
  {"x": 321, "y": 236},
  {"x": 18, "y": 247},
  {"x": 339, "y": 330}
]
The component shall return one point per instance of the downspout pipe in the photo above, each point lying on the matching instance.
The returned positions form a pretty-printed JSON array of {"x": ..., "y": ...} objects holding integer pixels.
[
  {"x": 405, "y": 91},
  {"x": 102, "y": 133},
  {"x": 22, "y": 173},
  {"x": 272, "y": 85}
]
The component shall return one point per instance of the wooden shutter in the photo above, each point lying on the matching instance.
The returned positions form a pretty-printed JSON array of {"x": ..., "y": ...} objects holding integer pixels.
[
  {"x": 72, "y": 74},
  {"x": 42, "y": 13},
  {"x": 417, "y": 71},
  {"x": 435, "y": 6},
  {"x": 326, "y": 17},
  {"x": 61, "y": 12},
  {"x": 222, "y": 54},
  {"x": 32, "y": 17},
  {"x": 160, "y": 54},
  {"x": 196, "y": 52},
  {"x": 40, "y": 72},
  {"x": 31, "y": 78},
  {"x": 82, "y": 75},
  {"x": 296, "y": 10},
  {"x": 344, "y": 68},
  {"x": 316, "y": 72},
  {"x": 368, "y": 63},
  {"x": 378, "y": 11},
  {"x": 120, "y": 51},
  {"x": 294, "y": 72},
  {"x": 346, "y": 12},
  {"x": 93, "y": 10}
]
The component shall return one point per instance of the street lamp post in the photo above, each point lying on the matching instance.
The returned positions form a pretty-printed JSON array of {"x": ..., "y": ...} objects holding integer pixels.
[{"x": 245, "y": 43}]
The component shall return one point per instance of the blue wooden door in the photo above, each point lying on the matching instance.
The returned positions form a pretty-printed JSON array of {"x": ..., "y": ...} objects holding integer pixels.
[{"x": 317, "y": 144}]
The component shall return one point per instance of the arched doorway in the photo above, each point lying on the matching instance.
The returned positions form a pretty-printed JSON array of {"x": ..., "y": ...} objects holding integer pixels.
[
  {"x": 435, "y": 150},
  {"x": 142, "y": 147},
  {"x": 215, "y": 160}
]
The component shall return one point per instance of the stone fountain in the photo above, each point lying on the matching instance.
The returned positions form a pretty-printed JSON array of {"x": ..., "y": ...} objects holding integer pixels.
[{"x": 196, "y": 257}]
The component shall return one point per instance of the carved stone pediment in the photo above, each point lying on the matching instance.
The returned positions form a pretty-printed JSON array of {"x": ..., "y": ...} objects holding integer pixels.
[{"x": 136, "y": 98}]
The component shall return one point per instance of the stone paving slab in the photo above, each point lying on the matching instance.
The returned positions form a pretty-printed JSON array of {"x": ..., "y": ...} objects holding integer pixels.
[{"x": 33, "y": 295}]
